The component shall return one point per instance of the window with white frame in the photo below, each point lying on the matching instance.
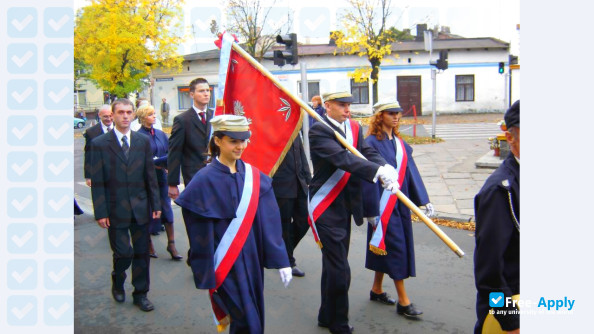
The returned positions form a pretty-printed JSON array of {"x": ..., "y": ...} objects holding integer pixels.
[{"x": 465, "y": 87}]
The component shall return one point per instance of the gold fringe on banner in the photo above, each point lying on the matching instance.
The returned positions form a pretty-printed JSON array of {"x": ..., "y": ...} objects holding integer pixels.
[
  {"x": 319, "y": 244},
  {"x": 223, "y": 324},
  {"x": 377, "y": 251}
]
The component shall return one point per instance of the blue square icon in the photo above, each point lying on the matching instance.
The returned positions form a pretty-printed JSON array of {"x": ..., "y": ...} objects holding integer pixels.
[
  {"x": 58, "y": 22},
  {"x": 21, "y": 22},
  {"x": 58, "y": 130},
  {"x": 21, "y": 274},
  {"x": 58, "y": 203},
  {"x": 57, "y": 94},
  {"x": 21, "y": 202},
  {"x": 21, "y": 166},
  {"x": 496, "y": 299},
  {"x": 21, "y": 310},
  {"x": 58, "y": 166},
  {"x": 58, "y": 274},
  {"x": 58, "y": 238},
  {"x": 314, "y": 22},
  {"x": 21, "y": 130},
  {"x": 59, "y": 310},
  {"x": 21, "y": 58},
  {"x": 58, "y": 58},
  {"x": 22, "y": 94},
  {"x": 22, "y": 238}
]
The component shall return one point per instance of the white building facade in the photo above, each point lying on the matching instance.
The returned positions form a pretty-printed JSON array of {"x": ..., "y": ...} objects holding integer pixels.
[{"x": 471, "y": 84}]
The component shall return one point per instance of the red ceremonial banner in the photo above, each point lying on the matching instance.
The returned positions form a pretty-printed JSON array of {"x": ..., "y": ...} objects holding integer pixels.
[{"x": 275, "y": 118}]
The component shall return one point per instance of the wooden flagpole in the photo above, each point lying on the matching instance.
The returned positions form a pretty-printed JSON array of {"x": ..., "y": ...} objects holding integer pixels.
[{"x": 449, "y": 242}]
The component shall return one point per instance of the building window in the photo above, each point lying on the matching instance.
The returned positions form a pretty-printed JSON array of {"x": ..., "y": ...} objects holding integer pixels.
[
  {"x": 185, "y": 101},
  {"x": 464, "y": 87},
  {"x": 313, "y": 89},
  {"x": 360, "y": 91}
]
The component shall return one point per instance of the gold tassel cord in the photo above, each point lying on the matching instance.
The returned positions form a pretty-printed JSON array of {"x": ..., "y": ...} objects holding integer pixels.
[
  {"x": 319, "y": 244},
  {"x": 377, "y": 250},
  {"x": 223, "y": 324}
]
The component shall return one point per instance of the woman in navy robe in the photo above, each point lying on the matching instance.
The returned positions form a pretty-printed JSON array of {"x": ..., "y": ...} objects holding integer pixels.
[
  {"x": 159, "y": 145},
  {"x": 209, "y": 204},
  {"x": 399, "y": 262}
]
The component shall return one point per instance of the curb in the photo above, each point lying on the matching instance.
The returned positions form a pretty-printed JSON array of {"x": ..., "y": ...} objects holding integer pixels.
[{"x": 458, "y": 217}]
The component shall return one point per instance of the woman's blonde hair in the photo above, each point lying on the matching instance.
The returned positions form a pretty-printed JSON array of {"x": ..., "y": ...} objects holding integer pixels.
[{"x": 143, "y": 112}]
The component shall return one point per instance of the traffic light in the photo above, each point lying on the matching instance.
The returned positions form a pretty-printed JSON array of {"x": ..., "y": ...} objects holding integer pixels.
[
  {"x": 501, "y": 68},
  {"x": 290, "y": 54},
  {"x": 442, "y": 62}
]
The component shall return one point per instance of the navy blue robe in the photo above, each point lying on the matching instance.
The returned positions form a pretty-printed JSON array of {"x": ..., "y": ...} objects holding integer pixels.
[
  {"x": 159, "y": 147},
  {"x": 399, "y": 263},
  {"x": 209, "y": 203}
]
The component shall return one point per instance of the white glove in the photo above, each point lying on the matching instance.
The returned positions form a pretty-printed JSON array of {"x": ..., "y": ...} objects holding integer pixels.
[
  {"x": 387, "y": 174},
  {"x": 429, "y": 210},
  {"x": 373, "y": 221},
  {"x": 286, "y": 275}
]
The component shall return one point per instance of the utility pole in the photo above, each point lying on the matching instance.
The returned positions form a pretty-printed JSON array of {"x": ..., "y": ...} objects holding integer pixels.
[{"x": 305, "y": 97}]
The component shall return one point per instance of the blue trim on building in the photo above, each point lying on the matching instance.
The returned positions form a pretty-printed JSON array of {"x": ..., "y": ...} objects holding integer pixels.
[{"x": 390, "y": 67}]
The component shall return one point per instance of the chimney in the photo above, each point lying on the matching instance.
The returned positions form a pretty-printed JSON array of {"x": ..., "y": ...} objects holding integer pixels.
[{"x": 421, "y": 28}]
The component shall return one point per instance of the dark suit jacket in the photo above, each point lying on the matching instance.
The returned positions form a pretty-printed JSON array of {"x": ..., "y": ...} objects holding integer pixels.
[
  {"x": 188, "y": 145},
  {"x": 123, "y": 188},
  {"x": 293, "y": 174},
  {"x": 92, "y": 132},
  {"x": 327, "y": 155}
]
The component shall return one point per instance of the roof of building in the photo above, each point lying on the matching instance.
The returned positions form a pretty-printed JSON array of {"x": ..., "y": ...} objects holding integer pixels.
[{"x": 404, "y": 46}]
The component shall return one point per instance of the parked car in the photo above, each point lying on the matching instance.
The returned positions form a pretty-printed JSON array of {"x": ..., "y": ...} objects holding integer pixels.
[{"x": 79, "y": 122}]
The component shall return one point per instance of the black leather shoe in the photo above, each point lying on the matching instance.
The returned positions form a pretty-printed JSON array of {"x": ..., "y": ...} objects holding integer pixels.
[
  {"x": 297, "y": 272},
  {"x": 144, "y": 304},
  {"x": 408, "y": 311},
  {"x": 342, "y": 330},
  {"x": 381, "y": 297},
  {"x": 118, "y": 295}
]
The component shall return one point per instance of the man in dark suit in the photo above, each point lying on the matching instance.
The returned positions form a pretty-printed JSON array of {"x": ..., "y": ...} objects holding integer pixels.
[
  {"x": 104, "y": 125},
  {"x": 333, "y": 185},
  {"x": 188, "y": 142},
  {"x": 497, "y": 236},
  {"x": 290, "y": 184},
  {"x": 125, "y": 191}
]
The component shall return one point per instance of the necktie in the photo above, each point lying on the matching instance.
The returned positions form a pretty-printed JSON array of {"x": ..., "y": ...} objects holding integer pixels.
[
  {"x": 125, "y": 146},
  {"x": 203, "y": 118},
  {"x": 108, "y": 129}
]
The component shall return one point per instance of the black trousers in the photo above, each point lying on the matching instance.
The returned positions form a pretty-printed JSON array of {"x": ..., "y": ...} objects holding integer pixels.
[
  {"x": 293, "y": 212},
  {"x": 334, "y": 229},
  {"x": 125, "y": 255}
]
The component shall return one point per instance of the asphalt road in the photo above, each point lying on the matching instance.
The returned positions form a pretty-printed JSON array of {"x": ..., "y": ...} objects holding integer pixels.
[{"x": 443, "y": 289}]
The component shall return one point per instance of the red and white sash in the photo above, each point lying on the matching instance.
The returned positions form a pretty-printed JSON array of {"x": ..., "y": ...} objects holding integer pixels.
[
  {"x": 234, "y": 238},
  {"x": 388, "y": 202},
  {"x": 332, "y": 187}
]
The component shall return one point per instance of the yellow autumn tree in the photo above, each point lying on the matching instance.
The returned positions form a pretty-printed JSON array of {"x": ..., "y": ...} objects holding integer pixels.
[
  {"x": 119, "y": 41},
  {"x": 364, "y": 32}
]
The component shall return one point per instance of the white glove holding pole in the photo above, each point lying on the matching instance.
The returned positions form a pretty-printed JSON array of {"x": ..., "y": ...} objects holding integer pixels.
[
  {"x": 373, "y": 221},
  {"x": 429, "y": 210},
  {"x": 387, "y": 174},
  {"x": 286, "y": 275}
]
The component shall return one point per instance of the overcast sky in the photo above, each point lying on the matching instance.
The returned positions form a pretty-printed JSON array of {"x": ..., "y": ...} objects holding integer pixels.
[{"x": 312, "y": 22}]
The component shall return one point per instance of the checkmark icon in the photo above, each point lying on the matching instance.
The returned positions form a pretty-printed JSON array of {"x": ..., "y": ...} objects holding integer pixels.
[
  {"x": 169, "y": 311},
  {"x": 56, "y": 278},
  {"x": 59, "y": 60},
  {"x": 20, "y": 206},
  {"x": 20, "y": 134},
  {"x": 59, "y": 132},
  {"x": 59, "y": 312},
  {"x": 20, "y": 25},
  {"x": 20, "y": 97},
  {"x": 496, "y": 299},
  {"x": 59, "y": 168},
  {"x": 59, "y": 240},
  {"x": 22, "y": 312},
  {"x": 167, "y": 277},
  {"x": 58, "y": 25},
  {"x": 92, "y": 277},
  {"x": 92, "y": 241},
  {"x": 313, "y": 25},
  {"x": 22, "y": 240},
  {"x": 58, "y": 97},
  {"x": 21, "y": 169},
  {"x": 59, "y": 204},
  {"x": 20, "y": 61},
  {"x": 21, "y": 277}
]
